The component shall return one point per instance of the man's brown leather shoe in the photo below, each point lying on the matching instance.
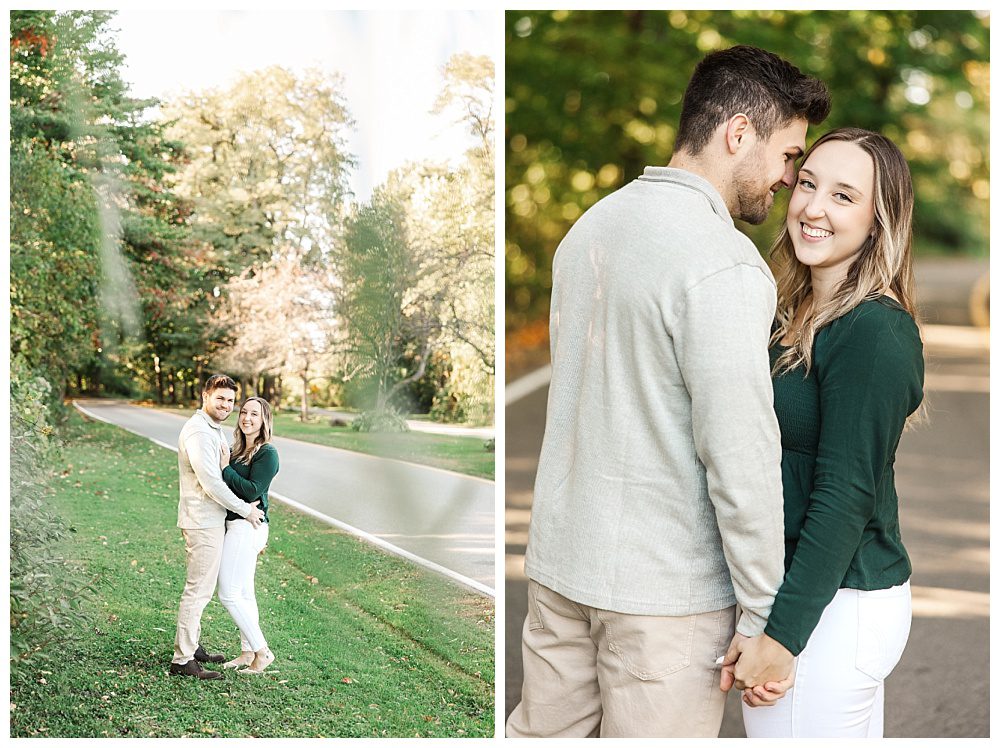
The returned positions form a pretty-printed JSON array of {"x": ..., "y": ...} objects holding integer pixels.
[
  {"x": 194, "y": 669},
  {"x": 202, "y": 656}
]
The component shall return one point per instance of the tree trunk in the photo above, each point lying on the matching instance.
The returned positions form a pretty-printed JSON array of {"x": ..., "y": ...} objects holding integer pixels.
[
  {"x": 159, "y": 379},
  {"x": 172, "y": 388},
  {"x": 304, "y": 415},
  {"x": 268, "y": 387}
]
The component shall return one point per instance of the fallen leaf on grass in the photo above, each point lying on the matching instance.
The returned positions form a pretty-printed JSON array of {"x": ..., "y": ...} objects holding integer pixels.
[{"x": 346, "y": 680}]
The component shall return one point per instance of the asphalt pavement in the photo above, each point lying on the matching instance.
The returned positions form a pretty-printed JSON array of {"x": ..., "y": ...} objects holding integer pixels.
[
  {"x": 440, "y": 519},
  {"x": 941, "y": 686},
  {"x": 427, "y": 427}
]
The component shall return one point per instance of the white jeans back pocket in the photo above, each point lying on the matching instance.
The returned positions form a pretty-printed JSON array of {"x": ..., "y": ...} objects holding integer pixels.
[{"x": 883, "y": 627}]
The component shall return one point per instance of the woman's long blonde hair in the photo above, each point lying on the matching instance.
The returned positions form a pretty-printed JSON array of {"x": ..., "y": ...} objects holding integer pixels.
[
  {"x": 243, "y": 452},
  {"x": 883, "y": 266}
]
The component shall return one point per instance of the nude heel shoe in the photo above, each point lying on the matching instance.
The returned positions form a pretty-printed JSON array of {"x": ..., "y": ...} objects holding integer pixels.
[
  {"x": 245, "y": 658},
  {"x": 262, "y": 658}
]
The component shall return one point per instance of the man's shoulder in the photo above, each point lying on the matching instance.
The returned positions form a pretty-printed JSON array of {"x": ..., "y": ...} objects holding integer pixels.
[{"x": 197, "y": 423}]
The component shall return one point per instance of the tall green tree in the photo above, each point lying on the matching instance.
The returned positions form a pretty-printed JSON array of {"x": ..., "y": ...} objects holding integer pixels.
[
  {"x": 266, "y": 164},
  {"x": 387, "y": 299},
  {"x": 103, "y": 272}
]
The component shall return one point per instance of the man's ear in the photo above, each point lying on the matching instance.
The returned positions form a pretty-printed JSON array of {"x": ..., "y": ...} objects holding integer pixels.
[{"x": 738, "y": 132}]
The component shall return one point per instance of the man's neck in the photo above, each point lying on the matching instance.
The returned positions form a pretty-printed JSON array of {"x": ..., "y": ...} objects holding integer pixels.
[
  {"x": 707, "y": 170},
  {"x": 210, "y": 419}
]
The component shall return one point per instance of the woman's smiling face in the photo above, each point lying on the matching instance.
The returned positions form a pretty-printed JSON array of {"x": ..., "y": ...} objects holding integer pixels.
[
  {"x": 251, "y": 418},
  {"x": 832, "y": 208}
]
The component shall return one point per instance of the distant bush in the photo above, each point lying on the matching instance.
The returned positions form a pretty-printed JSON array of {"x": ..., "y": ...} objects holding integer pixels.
[
  {"x": 380, "y": 422},
  {"x": 45, "y": 589}
]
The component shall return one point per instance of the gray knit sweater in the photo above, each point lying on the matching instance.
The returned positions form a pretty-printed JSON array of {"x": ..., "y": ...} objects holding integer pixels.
[{"x": 659, "y": 482}]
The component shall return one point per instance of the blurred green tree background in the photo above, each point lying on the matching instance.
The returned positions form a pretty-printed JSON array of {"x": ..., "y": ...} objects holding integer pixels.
[{"x": 594, "y": 96}]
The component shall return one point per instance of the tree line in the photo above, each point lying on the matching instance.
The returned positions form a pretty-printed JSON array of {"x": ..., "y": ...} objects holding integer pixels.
[{"x": 153, "y": 242}]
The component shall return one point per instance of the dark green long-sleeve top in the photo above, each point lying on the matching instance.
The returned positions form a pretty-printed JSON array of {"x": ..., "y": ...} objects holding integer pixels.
[
  {"x": 840, "y": 427},
  {"x": 251, "y": 482}
]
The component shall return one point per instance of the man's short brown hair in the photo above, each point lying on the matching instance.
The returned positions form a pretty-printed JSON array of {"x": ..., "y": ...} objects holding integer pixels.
[
  {"x": 769, "y": 90},
  {"x": 218, "y": 382}
]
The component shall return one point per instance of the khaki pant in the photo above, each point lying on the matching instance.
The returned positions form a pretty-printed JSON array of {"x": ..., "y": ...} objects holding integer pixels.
[
  {"x": 204, "y": 554},
  {"x": 591, "y": 672}
]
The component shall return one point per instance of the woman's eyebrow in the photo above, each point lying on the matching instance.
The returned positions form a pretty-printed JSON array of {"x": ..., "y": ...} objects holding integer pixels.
[{"x": 845, "y": 185}]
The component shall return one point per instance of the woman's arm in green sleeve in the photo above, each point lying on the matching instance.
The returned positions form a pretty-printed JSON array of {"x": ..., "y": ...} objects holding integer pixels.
[
  {"x": 263, "y": 468},
  {"x": 867, "y": 384}
]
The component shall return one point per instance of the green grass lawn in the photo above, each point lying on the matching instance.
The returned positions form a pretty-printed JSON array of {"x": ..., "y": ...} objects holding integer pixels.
[
  {"x": 460, "y": 454},
  {"x": 367, "y": 645}
]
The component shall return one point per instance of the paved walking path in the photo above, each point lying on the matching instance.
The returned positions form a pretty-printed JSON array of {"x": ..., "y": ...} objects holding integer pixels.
[
  {"x": 439, "y": 519},
  {"x": 428, "y": 427}
]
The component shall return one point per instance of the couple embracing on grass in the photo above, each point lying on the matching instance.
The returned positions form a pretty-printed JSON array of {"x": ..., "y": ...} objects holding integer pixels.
[{"x": 223, "y": 517}]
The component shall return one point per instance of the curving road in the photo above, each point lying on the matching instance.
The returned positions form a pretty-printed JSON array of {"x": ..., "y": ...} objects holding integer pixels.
[{"x": 441, "y": 520}]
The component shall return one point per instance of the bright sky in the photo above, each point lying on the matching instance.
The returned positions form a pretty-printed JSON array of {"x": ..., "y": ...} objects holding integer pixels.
[{"x": 390, "y": 62}]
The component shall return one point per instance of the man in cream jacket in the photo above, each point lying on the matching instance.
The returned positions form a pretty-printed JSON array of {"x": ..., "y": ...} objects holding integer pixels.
[
  {"x": 657, "y": 505},
  {"x": 201, "y": 515}
]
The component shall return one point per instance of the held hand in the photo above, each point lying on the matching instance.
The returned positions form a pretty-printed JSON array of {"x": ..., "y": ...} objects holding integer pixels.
[
  {"x": 729, "y": 662},
  {"x": 256, "y": 516},
  {"x": 223, "y": 456},
  {"x": 762, "y": 660},
  {"x": 769, "y": 693}
]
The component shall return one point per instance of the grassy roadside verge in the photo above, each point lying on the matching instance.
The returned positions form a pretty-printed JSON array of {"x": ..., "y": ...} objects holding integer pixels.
[
  {"x": 460, "y": 454},
  {"x": 367, "y": 645}
]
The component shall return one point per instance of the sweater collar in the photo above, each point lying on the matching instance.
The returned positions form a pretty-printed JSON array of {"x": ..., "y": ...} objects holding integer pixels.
[
  {"x": 692, "y": 181},
  {"x": 209, "y": 421}
]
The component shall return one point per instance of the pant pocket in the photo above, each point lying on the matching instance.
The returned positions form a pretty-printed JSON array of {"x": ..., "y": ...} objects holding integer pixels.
[
  {"x": 535, "y": 622},
  {"x": 883, "y": 627},
  {"x": 649, "y": 647}
]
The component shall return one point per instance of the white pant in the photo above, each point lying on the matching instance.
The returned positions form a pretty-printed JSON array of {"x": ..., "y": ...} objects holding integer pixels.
[
  {"x": 839, "y": 689},
  {"x": 236, "y": 593}
]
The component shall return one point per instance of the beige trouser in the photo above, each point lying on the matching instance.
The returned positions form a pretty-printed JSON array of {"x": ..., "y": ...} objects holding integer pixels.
[
  {"x": 204, "y": 554},
  {"x": 591, "y": 672}
]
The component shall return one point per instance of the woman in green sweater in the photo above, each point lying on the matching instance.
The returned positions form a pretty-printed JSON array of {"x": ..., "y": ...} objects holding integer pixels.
[
  {"x": 248, "y": 471},
  {"x": 847, "y": 369}
]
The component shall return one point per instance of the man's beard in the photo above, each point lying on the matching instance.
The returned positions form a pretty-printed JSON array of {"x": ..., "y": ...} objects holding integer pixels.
[{"x": 753, "y": 200}]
